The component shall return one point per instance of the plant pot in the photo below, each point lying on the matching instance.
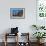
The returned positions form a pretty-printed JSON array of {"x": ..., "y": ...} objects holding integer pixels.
[{"x": 40, "y": 41}]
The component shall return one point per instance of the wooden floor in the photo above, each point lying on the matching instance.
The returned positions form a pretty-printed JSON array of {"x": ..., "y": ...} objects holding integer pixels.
[{"x": 13, "y": 44}]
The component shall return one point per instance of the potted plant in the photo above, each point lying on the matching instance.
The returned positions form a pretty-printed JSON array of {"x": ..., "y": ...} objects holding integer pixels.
[
  {"x": 35, "y": 26},
  {"x": 42, "y": 27},
  {"x": 38, "y": 27},
  {"x": 39, "y": 35}
]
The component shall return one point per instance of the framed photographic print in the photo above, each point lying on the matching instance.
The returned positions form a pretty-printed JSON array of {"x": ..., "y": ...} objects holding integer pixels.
[
  {"x": 17, "y": 13},
  {"x": 41, "y": 12},
  {"x": 41, "y": 8}
]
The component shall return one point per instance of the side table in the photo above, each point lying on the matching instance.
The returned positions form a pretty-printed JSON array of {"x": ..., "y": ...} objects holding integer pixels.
[{"x": 8, "y": 34}]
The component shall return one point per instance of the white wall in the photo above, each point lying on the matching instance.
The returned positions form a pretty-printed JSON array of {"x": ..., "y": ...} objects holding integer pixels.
[{"x": 23, "y": 24}]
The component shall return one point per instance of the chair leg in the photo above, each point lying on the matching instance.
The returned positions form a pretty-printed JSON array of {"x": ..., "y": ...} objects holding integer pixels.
[
  {"x": 5, "y": 40},
  {"x": 5, "y": 43}
]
